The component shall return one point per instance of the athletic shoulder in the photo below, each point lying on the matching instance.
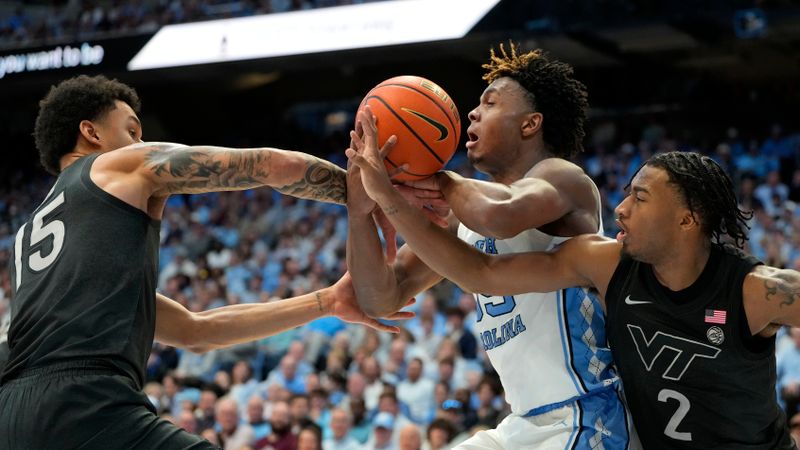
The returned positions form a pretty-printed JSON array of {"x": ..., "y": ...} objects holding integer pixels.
[
  {"x": 132, "y": 157},
  {"x": 556, "y": 167}
]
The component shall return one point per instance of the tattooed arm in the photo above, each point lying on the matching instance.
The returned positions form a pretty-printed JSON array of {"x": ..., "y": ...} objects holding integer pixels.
[
  {"x": 771, "y": 299},
  {"x": 160, "y": 169}
]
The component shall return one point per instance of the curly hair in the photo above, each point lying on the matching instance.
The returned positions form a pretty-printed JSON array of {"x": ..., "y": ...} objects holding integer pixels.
[
  {"x": 66, "y": 105},
  {"x": 551, "y": 90},
  {"x": 708, "y": 191}
]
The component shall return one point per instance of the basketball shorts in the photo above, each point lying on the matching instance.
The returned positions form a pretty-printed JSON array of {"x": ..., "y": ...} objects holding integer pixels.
[
  {"x": 83, "y": 406},
  {"x": 597, "y": 421}
]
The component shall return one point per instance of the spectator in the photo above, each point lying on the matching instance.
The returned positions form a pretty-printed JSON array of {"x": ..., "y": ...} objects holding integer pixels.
[
  {"x": 255, "y": 418},
  {"x": 232, "y": 434},
  {"x": 486, "y": 412},
  {"x": 384, "y": 427},
  {"x": 281, "y": 437},
  {"x": 788, "y": 376},
  {"x": 310, "y": 438},
  {"x": 286, "y": 375},
  {"x": 416, "y": 392},
  {"x": 340, "y": 427},
  {"x": 188, "y": 421},
  {"x": 361, "y": 426},
  {"x": 388, "y": 403},
  {"x": 440, "y": 433},
  {"x": 300, "y": 409},
  {"x": 410, "y": 438}
]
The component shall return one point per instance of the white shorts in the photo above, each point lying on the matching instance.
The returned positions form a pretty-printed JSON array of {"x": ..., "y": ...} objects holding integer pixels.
[{"x": 597, "y": 422}]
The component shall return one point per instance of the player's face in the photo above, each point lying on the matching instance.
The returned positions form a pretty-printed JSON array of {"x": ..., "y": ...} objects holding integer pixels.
[
  {"x": 119, "y": 127},
  {"x": 494, "y": 133},
  {"x": 649, "y": 216}
]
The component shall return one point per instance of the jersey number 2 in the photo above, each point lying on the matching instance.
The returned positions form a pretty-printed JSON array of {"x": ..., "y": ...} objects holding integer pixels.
[
  {"x": 39, "y": 232},
  {"x": 683, "y": 408}
]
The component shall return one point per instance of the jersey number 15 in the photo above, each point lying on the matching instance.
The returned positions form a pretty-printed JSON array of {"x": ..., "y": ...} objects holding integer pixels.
[{"x": 39, "y": 232}]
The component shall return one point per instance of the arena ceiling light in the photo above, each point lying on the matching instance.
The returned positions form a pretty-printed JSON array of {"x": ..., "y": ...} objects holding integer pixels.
[{"x": 322, "y": 30}]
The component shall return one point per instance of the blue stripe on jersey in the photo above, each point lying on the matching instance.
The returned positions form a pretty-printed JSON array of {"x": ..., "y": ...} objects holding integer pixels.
[
  {"x": 573, "y": 437},
  {"x": 567, "y": 402},
  {"x": 603, "y": 422},
  {"x": 591, "y": 358},
  {"x": 565, "y": 346}
]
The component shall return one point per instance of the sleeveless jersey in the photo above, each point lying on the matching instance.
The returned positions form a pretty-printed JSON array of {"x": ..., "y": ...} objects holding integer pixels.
[
  {"x": 692, "y": 375},
  {"x": 83, "y": 276},
  {"x": 549, "y": 348}
]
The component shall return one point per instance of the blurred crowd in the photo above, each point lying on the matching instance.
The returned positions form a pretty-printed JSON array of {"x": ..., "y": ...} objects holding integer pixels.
[
  {"x": 337, "y": 386},
  {"x": 77, "y": 20}
]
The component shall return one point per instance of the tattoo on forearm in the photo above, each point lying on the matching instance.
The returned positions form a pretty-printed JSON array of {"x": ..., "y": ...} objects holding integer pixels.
[
  {"x": 321, "y": 181},
  {"x": 202, "y": 169},
  {"x": 319, "y": 300},
  {"x": 784, "y": 285}
]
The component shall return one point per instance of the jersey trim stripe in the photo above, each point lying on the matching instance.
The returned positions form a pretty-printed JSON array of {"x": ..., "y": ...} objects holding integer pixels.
[
  {"x": 564, "y": 299},
  {"x": 565, "y": 344},
  {"x": 577, "y": 418},
  {"x": 552, "y": 406},
  {"x": 628, "y": 422}
]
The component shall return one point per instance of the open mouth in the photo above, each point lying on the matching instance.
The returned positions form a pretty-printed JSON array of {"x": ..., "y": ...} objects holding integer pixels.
[
  {"x": 472, "y": 139},
  {"x": 622, "y": 233}
]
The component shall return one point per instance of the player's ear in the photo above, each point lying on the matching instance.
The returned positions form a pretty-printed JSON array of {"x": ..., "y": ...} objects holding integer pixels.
[
  {"x": 532, "y": 123},
  {"x": 89, "y": 131},
  {"x": 689, "y": 220}
]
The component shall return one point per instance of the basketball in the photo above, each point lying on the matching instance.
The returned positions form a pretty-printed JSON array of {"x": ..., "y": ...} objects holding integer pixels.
[{"x": 423, "y": 117}]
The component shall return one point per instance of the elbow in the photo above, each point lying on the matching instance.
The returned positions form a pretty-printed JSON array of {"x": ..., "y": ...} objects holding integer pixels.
[
  {"x": 376, "y": 307},
  {"x": 376, "y": 304},
  {"x": 192, "y": 337}
]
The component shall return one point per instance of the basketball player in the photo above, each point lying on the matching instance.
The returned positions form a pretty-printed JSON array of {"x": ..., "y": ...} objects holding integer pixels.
[
  {"x": 84, "y": 310},
  {"x": 691, "y": 320},
  {"x": 549, "y": 349}
]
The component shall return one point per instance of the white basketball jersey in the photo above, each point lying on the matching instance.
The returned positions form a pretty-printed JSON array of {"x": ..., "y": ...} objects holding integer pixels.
[{"x": 547, "y": 348}]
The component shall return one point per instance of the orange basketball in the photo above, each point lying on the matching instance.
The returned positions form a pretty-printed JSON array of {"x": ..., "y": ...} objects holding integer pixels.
[{"x": 424, "y": 119}]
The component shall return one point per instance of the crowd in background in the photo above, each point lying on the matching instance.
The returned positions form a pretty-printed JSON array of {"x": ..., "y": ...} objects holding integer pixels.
[
  {"x": 338, "y": 386},
  {"x": 77, "y": 20}
]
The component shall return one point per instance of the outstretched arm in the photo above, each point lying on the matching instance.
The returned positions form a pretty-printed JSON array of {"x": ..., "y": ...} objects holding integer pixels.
[
  {"x": 236, "y": 324},
  {"x": 579, "y": 262},
  {"x": 160, "y": 169},
  {"x": 550, "y": 191}
]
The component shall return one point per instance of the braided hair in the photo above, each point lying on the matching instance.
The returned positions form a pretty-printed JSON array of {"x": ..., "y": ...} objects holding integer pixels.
[
  {"x": 551, "y": 90},
  {"x": 708, "y": 191}
]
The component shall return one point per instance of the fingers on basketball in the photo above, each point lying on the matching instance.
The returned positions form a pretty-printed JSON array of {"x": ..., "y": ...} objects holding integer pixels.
[{"x": 422, "y": 116}]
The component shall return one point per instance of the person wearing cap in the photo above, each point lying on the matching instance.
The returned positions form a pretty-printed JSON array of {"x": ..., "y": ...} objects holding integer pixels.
[{"x": 382, "y": 431}]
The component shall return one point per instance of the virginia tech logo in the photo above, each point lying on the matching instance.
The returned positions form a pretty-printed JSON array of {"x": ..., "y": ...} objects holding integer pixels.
[{"x": 682, "y": 351}]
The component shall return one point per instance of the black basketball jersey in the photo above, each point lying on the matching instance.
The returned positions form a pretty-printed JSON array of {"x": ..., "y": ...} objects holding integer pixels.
[
  {"x": 691, "y": 373},
  {"x": 83, "y": 277}
]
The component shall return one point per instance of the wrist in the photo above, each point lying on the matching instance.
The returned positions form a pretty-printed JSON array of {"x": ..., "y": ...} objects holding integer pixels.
[
  {"x": 446, "y": 180},
  {"x": 324, "y": 299}
]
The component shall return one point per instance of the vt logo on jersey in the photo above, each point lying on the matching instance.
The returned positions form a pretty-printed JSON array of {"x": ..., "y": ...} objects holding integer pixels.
[
  {"x": 680, "y": 350},
  {"x": 443, "y": 133}
]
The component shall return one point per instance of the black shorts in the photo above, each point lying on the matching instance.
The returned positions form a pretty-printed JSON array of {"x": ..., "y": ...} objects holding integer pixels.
[{"x": 83, "y": 406}]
